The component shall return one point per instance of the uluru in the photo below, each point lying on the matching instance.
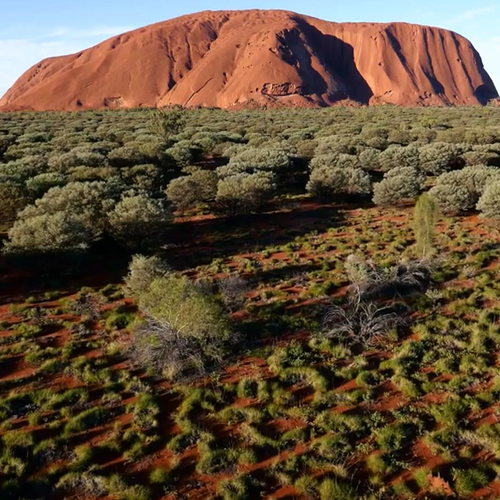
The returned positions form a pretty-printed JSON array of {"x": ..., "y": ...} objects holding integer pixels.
[{"x": 265, "y": 57}]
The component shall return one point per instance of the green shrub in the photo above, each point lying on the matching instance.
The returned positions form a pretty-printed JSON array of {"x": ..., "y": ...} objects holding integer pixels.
[
  {"x": 400, "y": 183},
  {"x": 68, "y": 217},
  {"x": 250, "y": 159},
  {"x": 181, "y": 155},
  {"x": 87, "y": 419},
  {"x": 191, "y": 190},
  {"x": 306, "y": 486},
  {"x": 13, "y": 199},
  {"x": 185, "y": 328},
  {"x": 159, "y": 476},
  {"x": 489, "y": 203},
  {"x": 47, "y": 232},
  {"x": 333, "y": 489},
  {"x": 452, "y": 197},
  {"x": 399, "y": 156},
  {"x": 41, "y": 183},
  {"x": 393, "y": 437},
  {"x": 469, "y": 480},
  {"x": 119, "y": 320},
  {"x": 237, "y": 488},
  {"x": 147, "y": 177},
  {"x": 166, "y": 123},
  {"x": 183, "y": 192},
  {"x": 375, "y": 136},
  {"x": 139, "y": 221},
  {"x": 440, "y": 157},
  {"x": 460, "y": 190},
  {"x": 131, "y": 155},
  {"x": 245, "y": 193},
  {"x": 326, "y": 181},
  {"x": 424, "y": 224},
  {"x": 369, "y": 159},
  {"x": 143, "y": 271}
]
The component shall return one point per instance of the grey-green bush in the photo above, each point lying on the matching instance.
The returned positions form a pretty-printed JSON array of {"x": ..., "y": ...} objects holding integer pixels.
[
  {"x": 183, "y": 192},
  {"x": 374, "y": 136},
  {"x": 142, "y": 271},
  {"x": 77, "y": 210},
  {"x": 400, "y": 183},
  {"x": 334, "y": 145},
  {"x": 76, "y": 157},
  {"x": 179, "y": 155},
  {"x": 245, "y": 193},
  {"x": 132, "y": 154},
  {"x": 191, "y": 190},
  {"x": 47, "y": 232},
  {"x": 369, "y": 159},
  {"x": 452, "y": 198},
  {"x": 148, "y": 177},
  {"x": 326, "y": 181},
  {"x": 439, "y": 157},
  {"x": 12, "y": 200},
  {"x": 185, "y": 328},
  {"x": 252, "y": 159},
  {"x": 399, "y": 156},
  {"x": 460, "y": 190},
  {"x": 140, "y": 221},
  {"x": 325, "y": 160},
  {"x": 41, "y": 183},
  {"x": 489, "y": 203}
]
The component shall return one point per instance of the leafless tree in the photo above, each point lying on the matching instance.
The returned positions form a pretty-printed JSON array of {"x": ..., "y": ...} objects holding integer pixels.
[
  {"x": 88, "y": 305},
  {"x": 233, "y": 290},
  {"x": 370, "y": 281},
  {"x": 367, "y": 317},
  {"x": 364, "y": 323},
  {"x": 159, "y": 347}
]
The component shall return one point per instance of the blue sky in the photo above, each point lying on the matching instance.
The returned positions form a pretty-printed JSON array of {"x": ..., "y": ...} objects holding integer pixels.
[{"x": 31, "y": 30}]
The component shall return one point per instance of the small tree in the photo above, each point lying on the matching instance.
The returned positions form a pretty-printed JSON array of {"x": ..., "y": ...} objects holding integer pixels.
[
  {"x": 424, "y": 223},
  {"x": 167, "y": 122},
  {"x": 12, "y": 200}
]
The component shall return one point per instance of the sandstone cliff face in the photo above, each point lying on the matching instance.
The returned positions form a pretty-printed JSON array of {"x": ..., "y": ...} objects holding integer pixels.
[{"x": 227, "y": 59}]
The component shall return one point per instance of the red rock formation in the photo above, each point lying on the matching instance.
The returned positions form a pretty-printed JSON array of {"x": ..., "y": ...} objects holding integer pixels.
[{"x": 227, "y": 59}]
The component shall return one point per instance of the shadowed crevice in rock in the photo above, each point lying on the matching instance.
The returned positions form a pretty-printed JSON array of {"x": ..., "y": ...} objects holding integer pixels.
[{"x": 337, "y": 57}]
